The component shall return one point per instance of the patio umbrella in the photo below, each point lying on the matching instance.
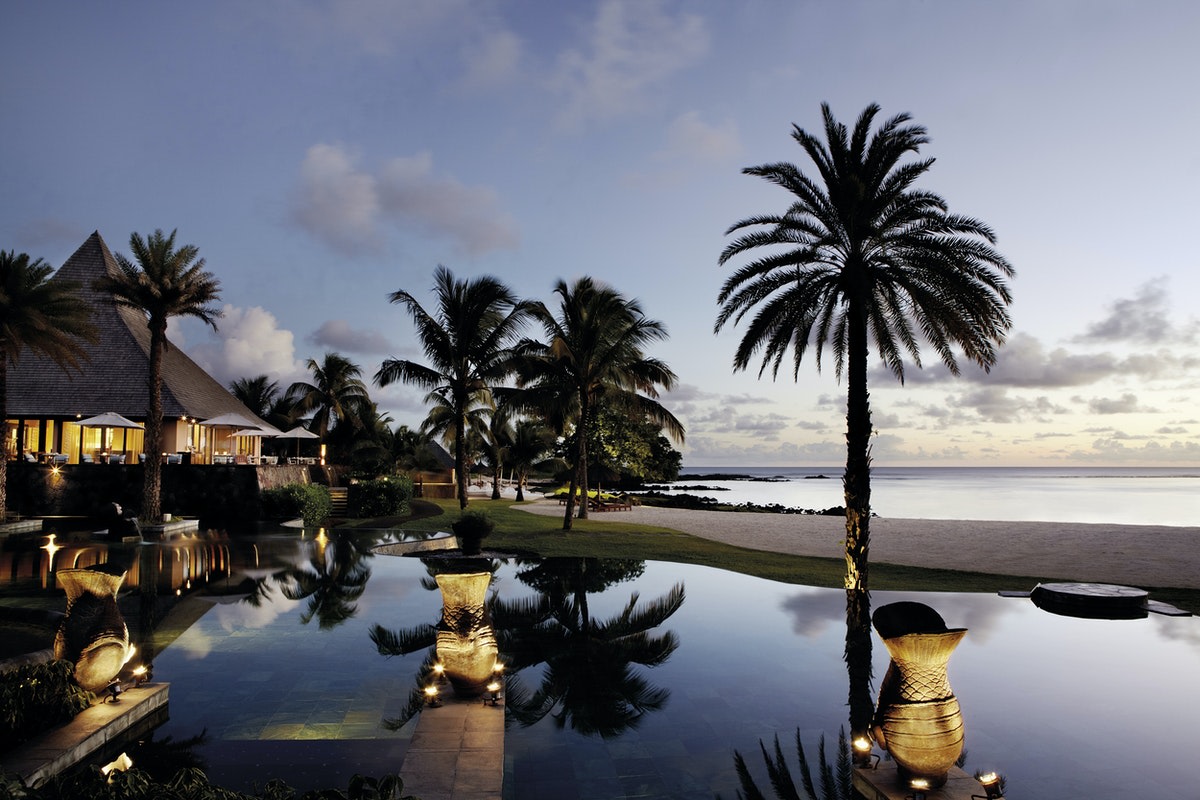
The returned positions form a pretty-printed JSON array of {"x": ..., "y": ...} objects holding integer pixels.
[
  {"x": 299, "y": 432},
  {"x": 109, "y": 419},
  {"x": 230, "y": 420}
]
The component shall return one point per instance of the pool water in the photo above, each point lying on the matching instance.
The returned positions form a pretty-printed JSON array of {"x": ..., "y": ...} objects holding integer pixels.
[{"x": 285, "y": 681}]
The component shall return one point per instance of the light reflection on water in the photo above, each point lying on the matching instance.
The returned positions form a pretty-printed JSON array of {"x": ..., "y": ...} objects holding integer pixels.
[{"x": 1061, "y": 706}]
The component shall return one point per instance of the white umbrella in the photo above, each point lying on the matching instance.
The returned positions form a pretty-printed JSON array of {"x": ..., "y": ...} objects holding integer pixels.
[
  {"x": 230, "y": 420},
  {"x": 299, "y": 432},
  {"x": 252, "y": 432},
  {"x": 109, "y": 419}
]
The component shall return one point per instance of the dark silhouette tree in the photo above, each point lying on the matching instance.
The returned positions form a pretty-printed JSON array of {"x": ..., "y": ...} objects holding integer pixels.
[
  {"x": 859, "y": 258},
  {"x": 468, "y": 343},
  {"x": 593, "y": 354},
  {"x": 165, "y": 282},
  {"x": 40, "y": 316}
]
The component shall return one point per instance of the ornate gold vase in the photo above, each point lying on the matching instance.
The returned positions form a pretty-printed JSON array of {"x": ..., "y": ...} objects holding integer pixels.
[
  {"x": 93, "y": 633},
  {"x": 466, "y": 641},
  {"x": 918, "y": 719}
]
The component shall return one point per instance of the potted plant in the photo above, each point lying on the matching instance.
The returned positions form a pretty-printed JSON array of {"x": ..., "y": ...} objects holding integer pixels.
[{"x": 470, "y": 529}]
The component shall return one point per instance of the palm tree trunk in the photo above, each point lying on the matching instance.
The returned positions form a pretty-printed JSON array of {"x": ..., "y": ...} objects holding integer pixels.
[
  {"x": 460, "y": 456},
  {"x": 152, "y": 481},
  {"x": 585, "y": 422},
  {"x": 857, "y": 481},
  {"x": 858, "y": 665}
]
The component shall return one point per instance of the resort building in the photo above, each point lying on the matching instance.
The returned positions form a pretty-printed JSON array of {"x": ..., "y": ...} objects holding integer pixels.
[{"x": 48, "y": 407}]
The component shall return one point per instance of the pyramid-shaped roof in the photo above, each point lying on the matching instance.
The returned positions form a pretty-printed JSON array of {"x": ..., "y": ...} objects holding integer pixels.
[{"x": 116, "y": 367}]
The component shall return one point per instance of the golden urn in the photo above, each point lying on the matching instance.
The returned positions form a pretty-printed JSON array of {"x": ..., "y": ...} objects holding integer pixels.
[{"x": 918, "y": 719}]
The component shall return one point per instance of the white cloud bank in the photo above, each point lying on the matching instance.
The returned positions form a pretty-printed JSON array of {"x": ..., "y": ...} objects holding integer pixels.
[{"x": 351, "y": 210}]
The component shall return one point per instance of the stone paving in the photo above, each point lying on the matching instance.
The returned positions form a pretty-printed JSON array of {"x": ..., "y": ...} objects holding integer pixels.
[{"x": 457, "y": 752}]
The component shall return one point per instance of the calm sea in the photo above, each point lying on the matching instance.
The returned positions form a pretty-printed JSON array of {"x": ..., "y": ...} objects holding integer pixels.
[{"x": 1125, "y": 495}]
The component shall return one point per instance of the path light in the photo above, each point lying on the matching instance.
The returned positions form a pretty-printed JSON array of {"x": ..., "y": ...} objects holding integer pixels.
[
  {"x": 863, "y": 757},
  {"x": 140, "y": 675},
  {"x": 991, "y": 785},
  {"x": 493, "y": 697},
  {"x": 439, "y": 669},
  {"x": 113, "y": 690},
  {"x": 919, "y": 786},
  {"x": 431, "y": 696}
]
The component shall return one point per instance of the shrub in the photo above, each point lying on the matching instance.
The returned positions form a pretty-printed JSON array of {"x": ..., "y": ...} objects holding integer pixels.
[
  {"x": 309, "y": 501},
  {"x": 188, "y": 784},
  {"x": 37, "y": 697},
  {"x": 384, "y": 497}
]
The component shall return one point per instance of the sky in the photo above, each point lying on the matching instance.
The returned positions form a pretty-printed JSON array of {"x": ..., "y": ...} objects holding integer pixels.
[{"x": 322, "y": 154}]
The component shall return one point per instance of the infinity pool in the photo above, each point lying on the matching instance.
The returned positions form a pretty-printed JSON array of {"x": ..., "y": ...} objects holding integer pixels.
[{"x": 281, "y": 675}]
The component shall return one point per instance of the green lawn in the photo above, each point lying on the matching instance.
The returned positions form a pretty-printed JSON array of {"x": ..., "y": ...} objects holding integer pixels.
[{"x": 519, "y": 530}]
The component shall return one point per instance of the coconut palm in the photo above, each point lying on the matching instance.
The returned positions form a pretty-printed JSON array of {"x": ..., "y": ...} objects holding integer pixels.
[
  {"x": 335, "y": 396},
  {"x": 165, "y": 282},
  {"x": 497, "y": 439},
  {"x": 468, "y": 342},
  {"x": 42, "y": 316},
  {"x": 531, "y": 448},
  {"x": 259, "y": 394},
  {"x": 589, "y": 681},
  {"x": 594, "y": 353},
  {"x": 863, "y": 258}
]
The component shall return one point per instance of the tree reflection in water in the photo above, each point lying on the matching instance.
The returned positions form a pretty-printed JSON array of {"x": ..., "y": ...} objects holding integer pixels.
[
  {"x": 588, "y": 681},
  {"x": 334, "y": 578}
]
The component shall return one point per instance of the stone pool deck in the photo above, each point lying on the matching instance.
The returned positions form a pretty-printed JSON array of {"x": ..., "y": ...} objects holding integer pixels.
[
  {"x": 457, "y": 752},
  {"x": 100, "y": 726}
]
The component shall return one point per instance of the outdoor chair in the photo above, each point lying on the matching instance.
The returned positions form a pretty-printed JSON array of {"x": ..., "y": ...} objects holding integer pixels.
[
  {"x": 59, "y": 458},
  {"x": 116, "y": 458}
]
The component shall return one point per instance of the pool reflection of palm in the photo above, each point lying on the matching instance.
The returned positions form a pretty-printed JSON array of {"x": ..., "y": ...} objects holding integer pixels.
[{"x": 589, "y": 682}]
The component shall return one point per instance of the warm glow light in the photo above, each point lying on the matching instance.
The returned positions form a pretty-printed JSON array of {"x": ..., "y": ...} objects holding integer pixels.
[
  {"x": 988, "y": 778},
  {"x": 431, "y": 691},
  {"x": 51, "y": 547},
  {"x": 862, "y": 744},
  {"x": 498, "y": 667},
  {"x": 493, "y": 687},
  {"x": 919, "y": 783},
  {"x": 439, "y": 669},
  {"x": 139, "y": 670}
]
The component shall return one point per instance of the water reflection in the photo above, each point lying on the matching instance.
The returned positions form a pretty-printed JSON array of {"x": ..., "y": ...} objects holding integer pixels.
[
  {"x": 332, "y": 580},
  {"x": 588, "y": 681}
]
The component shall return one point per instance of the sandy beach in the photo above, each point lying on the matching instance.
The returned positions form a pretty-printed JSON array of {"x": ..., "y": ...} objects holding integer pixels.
[{"x": 1137, "y": 555}]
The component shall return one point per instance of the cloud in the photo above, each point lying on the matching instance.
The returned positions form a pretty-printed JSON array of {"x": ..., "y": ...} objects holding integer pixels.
[
  {"x": 633, "y": 47},
  {"x": 336, "y": 334},
  {"x": 1125, "y": 404},
  {"x": 690, "y": 137},
  {"x": 493, "y": 61},
  {"x": 470, "y": 216},
  {"x": 337, "y": 203},
  {"x": 1141, "y": 318},
  {"x": 350, "y": 209},
  {"x": 248, "y": 343},
  {"x": 377, "y": 27}
]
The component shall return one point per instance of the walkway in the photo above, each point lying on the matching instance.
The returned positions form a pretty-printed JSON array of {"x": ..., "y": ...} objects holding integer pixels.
[{"x": 457, "y": 752}]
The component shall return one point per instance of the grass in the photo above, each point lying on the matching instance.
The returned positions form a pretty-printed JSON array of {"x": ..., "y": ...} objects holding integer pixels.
[{"x": 543, "y": 535}]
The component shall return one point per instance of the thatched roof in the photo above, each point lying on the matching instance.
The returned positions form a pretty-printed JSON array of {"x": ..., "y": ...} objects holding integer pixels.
[{"x": 116, "y": 367}]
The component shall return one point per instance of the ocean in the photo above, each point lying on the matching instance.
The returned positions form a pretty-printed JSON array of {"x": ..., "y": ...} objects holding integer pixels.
[{"x": 1122, "y": 495}]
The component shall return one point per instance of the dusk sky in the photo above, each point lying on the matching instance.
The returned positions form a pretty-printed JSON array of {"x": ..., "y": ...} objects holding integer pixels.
[{"x": 324, "y": 154}]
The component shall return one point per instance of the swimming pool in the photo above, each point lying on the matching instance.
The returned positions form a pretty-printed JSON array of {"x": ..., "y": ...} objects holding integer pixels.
[{"x": 282, "y": 676}]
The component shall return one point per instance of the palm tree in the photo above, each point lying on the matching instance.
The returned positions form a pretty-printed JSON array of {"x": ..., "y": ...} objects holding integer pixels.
[
  {"x": 497, "y": 439},
  {"x": 589, "y": 680},
  {"x": 531, "y": 448},
  {"x": 336, "y": 395},
  {"x": 862, "y": 257},
  {"x": 594, "y": 353},
  {"x": 44, "y": 317},
  {"x": 165, "y": 282},
  {"x": 259, "y": 394},
  {"x": 468, "y": 343}
]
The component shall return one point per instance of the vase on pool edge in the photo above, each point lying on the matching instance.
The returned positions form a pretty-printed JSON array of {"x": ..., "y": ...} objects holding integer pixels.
[{"x": 918, "y": 719}]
